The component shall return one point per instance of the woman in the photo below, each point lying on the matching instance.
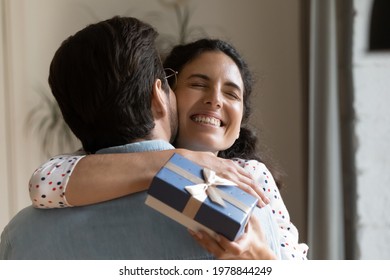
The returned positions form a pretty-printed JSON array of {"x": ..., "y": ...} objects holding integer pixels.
[{"x": 212, "y": 89}]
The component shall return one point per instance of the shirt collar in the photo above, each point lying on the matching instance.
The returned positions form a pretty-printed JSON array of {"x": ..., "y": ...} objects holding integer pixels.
[{"x": 143, "y": 146}]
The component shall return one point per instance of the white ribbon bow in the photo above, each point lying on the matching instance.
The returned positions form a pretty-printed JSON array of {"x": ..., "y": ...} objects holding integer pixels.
[{"x": 209, "y": 187}]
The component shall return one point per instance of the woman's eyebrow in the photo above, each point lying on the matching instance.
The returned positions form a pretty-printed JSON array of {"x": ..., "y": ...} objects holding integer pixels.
[
  {"x": 201, "y": 76},
  {"x": 234, "y": 85}
]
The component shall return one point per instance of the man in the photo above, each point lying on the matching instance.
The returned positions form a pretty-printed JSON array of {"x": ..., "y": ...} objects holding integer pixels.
[{"x": 110, "y": 85}]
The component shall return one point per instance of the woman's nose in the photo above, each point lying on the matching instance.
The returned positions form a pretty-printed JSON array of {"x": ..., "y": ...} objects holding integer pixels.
[{"x": 214, "y": 99}]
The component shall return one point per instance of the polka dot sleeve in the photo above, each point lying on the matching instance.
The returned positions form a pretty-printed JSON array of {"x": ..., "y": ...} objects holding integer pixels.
[
  {"x": 48, "y": 183},
  {"x": 289, "y": 238}
]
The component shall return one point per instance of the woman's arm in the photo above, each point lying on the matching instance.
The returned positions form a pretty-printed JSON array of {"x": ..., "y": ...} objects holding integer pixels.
[
  {"x": 48, "y": 183},
  {"x": 252, "y": 245},
  {"x": 75, "y": 180},
  {"x": 289, "y": 237}
]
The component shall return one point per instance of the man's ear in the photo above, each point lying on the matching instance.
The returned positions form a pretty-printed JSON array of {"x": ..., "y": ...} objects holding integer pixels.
[{"x": 159, "y": 100}]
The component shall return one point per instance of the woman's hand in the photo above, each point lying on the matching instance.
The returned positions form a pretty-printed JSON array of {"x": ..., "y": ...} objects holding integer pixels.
[
  {"x": 227, "y": 169},
  {"x": 252, "y": 245}
]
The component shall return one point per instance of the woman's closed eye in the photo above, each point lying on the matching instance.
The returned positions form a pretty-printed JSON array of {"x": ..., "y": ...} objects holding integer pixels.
[
  {"x": 233, "y": 95},
  {"x": 198, "y": 85}
]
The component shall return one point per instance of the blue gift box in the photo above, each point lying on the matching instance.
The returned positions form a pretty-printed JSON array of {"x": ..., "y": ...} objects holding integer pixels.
[{"x": 168, "y": 195}]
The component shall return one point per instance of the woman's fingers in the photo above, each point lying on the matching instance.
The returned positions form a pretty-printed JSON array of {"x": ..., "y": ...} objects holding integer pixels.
[
  {"x": 243, "y": 179},
  {"x": 209, "y": 243},
  {"x": 221, "y": 247}
]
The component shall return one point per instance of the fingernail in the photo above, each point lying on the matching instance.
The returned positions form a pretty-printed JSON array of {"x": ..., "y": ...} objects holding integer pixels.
[{"x": 261, "y": 204}]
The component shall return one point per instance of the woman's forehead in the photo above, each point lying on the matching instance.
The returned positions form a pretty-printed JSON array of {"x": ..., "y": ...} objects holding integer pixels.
[{"x": 213, "y": 64}]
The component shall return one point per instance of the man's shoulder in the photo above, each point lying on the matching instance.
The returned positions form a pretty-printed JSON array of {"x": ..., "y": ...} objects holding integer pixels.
[
  {"x": 23, "y": 215},
  {"x": 31, "y": 217}
]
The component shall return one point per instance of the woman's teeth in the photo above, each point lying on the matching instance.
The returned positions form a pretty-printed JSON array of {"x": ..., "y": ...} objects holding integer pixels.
[{"x": 207, "y": 120}]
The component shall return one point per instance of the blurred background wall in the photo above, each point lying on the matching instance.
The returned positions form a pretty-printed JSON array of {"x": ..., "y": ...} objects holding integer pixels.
[{"x": 371, "y": 70}]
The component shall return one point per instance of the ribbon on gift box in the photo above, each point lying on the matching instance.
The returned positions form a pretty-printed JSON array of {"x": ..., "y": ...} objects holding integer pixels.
[{"x": 206, "y": 188}]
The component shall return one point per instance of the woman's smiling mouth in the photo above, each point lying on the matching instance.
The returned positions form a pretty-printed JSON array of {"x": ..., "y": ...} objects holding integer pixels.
[{"x": 206, "y": 120}]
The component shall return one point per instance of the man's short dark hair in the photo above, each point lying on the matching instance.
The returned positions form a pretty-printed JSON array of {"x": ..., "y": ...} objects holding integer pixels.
[{"x": 102, "y": 78}]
